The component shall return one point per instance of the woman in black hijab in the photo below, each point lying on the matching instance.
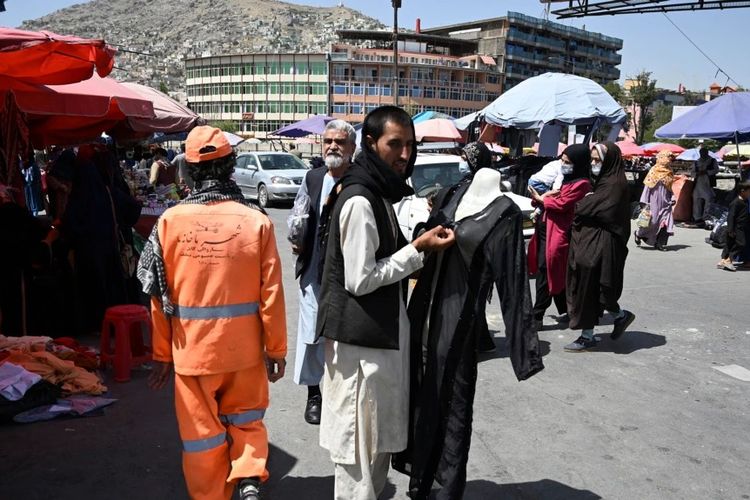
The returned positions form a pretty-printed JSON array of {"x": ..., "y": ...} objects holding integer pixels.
[
  {"x": 598, "y": 249},
  {"x": 548, "y": 248}
]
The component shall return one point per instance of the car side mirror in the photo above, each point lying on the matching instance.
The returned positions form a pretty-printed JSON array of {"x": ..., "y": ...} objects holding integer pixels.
[{"x": 505, "y": 186}]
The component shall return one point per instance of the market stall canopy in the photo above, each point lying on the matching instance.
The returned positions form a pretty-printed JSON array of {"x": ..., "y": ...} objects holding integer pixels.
[
  {"x": 628, "y": 148},
  {"x": 465, "y": 121},
  {"x": 429, "y": 115},
  {"x": 726, "y": 117},
  {"x": 169, "y": 115},
  {"x": 316, "y": 124},
  {"x": 43, "y": 57},
  {"x": 653, "y": 148},
  {"x": 553, "y": 97},
  {"x": 436, "y": 130},
  {"x": 694, "y": 154},
  {"x": 733, "y": 150},
  {"x": 233, "y": 139},
  {"x": 68, "y": 114}
]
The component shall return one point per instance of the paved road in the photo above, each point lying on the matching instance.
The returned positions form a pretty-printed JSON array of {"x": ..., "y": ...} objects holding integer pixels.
[{"x": 647, "y": 417}]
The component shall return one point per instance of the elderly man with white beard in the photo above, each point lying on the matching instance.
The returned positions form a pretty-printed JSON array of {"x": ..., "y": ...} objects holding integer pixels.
[{"x": 339, "y": 143}]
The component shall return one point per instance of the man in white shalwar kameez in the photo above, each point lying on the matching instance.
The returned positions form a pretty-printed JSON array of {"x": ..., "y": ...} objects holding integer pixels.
[
  {"x": 365, "y": 385},
  {"x": 339, "y": 142}
]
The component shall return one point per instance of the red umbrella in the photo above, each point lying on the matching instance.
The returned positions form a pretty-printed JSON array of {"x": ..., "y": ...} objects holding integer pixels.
[
  {"x": 628, "y": 148},
  {"x": 171, "y": 117},
  {"x": 47, "y": 58},
  {"x": 68, "y": 114},
  {"x": 653, "y": 148}
]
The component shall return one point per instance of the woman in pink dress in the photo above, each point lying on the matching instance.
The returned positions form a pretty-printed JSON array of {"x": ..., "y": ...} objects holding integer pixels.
[{"x": 548, "y": 248}]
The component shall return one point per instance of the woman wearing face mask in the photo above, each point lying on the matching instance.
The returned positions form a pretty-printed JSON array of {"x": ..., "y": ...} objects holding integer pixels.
[
  {"x": 657, "y": 194},
  {"x": 598, "y": 248},
  {"x": 548, "y": 248}
]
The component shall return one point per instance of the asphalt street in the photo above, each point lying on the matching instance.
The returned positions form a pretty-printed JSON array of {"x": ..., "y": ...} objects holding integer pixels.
[{"x": 655, "y": 415}]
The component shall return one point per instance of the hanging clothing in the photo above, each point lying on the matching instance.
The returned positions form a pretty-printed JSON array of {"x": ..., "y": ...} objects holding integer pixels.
[
  {"x": 598, "y": 245},
  {"x": 451, "y": 296}
]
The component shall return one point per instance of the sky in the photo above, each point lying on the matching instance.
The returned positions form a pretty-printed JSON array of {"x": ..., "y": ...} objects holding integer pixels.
[{"x": 651, "y": 43}]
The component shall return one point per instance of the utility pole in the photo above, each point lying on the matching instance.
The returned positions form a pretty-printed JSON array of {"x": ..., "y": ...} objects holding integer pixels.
[{"x": 396, "y": 5}]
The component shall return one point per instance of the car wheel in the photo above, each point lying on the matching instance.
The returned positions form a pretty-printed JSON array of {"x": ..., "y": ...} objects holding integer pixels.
[{"x": 262, "y": 196}]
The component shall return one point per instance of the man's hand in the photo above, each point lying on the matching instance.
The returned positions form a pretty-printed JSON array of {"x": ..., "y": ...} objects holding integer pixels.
[
  {"x": 275, "y": 368},
  {"x": 434, "y": 240},
  {"x": 160, "y": 375}
]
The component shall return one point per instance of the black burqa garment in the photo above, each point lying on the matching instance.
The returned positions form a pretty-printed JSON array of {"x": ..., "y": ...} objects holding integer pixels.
[
  {"x": 598, "y": 245},
  {"x": 89, "y": 227},
  {"x": 489, "y": 250}
]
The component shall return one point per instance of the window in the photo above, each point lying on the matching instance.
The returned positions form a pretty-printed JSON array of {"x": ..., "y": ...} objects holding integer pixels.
[
  {"x": 273, "y": 107},
  {"x": 357, "y": 89},
  {"x": 318, "y": 68},
  {"x": 373, "y": 89},
  {"x": 260, "y": 68},
  {"x": 260, "y": 88},
  {"x": 428, "y": 179},
  {"x": 301, "y": 68},
  {"x": 273, "y": 88},
  {"x": 386, "y": 90},
  {"x": 356, "y": 109},
  {"x": 403, "y": 91},
  {"x": 300, "y": 107},
  {"x": 281, "y": 162},
  {"x": 287, "y": 88},
  {"x": 287, "y": 107},
  {"x": 287, "y": 68},
  {"x": 340, "y": 88},
  {"x": 340, "y": 109},
  {"x": 273, "y": 68}
]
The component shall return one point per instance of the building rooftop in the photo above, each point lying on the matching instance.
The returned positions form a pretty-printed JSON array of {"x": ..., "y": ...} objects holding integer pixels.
[{"x": 463, "y": 46}]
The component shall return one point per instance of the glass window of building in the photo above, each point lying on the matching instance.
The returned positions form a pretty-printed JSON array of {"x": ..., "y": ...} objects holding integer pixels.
[
  {"x": 300, "y": 67},
  {"x": 357, "y": 89},
  {"x": 387, "y": 90},
  {"x": 356, "y": 108},
  {"x": 403, "y": 91},
  {"x": 273, "y": 68},
  {"x": 259, "y": 68},
  {"x": 273, "y": 88},
  {"x": 373, "y": 89},
  {"x": 340, "y": 88},
  {"x": 301, "y": 107},
  {"x": 287, "y": 88},
  {"x": 340, "y": 109},
  {"x": 318, "y": 68},
  {"x": 287, "y": 107},
  {"x": 273, "y": 107},
  {"x": 287, "y": 68}
]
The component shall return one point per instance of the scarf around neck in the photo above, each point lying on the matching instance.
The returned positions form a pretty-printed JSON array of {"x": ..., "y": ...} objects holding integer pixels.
[
  {"x": 370, "y": 171},
  {"x": 151, "y": 271}
]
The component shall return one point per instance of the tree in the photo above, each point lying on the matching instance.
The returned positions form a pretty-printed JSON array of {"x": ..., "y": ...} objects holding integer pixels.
[
  {"x": 615, "y": 90},
  {"x": 163, "y": 87},
  {"x": 642, "y": 95},
  {"x": 661, "y": 115},
  {"x": 225, "y": 125}
]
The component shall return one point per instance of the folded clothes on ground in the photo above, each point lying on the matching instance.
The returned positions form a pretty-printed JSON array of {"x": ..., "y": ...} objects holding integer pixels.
[
  {"x": 41, "y": 393},
  {"x": 74, "y": 405},
  {"x": 26, "y": 343},
  {"x": 73, "y": 379},
  {"x": 15, "y": 381}
]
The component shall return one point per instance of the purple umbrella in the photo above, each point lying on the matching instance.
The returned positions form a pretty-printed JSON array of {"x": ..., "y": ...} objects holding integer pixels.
[{"x": 314, "y": 125}]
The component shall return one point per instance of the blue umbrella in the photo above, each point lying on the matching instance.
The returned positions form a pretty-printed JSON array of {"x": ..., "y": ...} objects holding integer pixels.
[
  {"x": 694, "y": 154},
  {"x": 316, "y": 124},
  {"x": 429, "y": 115},
  {"x": 726, "y": 117},
  {"x": 553, "y": 98}
]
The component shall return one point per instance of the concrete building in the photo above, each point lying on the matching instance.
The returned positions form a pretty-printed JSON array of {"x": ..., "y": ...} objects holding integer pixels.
[
  {"x": 526, "y": 46},
  {"x": 263, "y": 92}
]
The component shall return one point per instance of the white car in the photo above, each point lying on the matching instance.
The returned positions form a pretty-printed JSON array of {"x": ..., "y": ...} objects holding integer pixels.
[
  {"x": 269, "y": 176},
  {"x": 433, "y": 172}
]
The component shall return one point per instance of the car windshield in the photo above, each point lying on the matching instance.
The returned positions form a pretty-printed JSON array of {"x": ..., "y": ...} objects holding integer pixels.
[
  {"x": 427, "y": 179},
  {"x": 281, "y": 162}
]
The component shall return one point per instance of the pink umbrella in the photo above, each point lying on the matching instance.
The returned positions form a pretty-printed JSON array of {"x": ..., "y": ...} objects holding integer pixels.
[
  {"x": 171, "y": 116},
  {"x": 628, "y": 148},
  {"x": 437, "y": 130}
]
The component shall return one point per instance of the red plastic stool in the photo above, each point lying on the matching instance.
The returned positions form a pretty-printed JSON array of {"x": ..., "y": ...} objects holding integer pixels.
[{"x": 130, "y": 350}]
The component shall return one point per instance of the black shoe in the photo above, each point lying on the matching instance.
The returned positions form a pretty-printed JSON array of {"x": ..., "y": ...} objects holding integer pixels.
[
  {"x": 563, "y": 319},
  {"x": 621, "y": 324},
  {"x": 581, "y": 344},
  {"x": 636, "y": 238},
  {"x": 249, "y": 489},
  {"x": 312, "y": 410},
  {"x": 661, "y": 248}
]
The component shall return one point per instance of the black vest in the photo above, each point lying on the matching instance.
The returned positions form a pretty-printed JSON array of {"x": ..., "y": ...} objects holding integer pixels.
[
  {"x": 370, "y": 320},
  {"x": 314, "y": 184}
]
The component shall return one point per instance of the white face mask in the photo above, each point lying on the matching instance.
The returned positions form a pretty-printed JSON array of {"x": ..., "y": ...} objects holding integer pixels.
[
  {"x": 463, "y": 167},
  {"x": 566, "y": 168},
  {"x": 596, "y": 168}
]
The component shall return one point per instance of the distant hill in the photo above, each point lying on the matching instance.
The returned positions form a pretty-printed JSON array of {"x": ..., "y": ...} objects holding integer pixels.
[{"x": 170, "y": 30}]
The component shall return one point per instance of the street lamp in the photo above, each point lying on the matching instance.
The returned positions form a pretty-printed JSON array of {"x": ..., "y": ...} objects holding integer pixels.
[{"x": 396, "y": 5}]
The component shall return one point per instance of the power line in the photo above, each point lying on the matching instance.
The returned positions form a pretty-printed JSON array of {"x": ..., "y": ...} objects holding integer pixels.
[{"x": 718, "y": 68}]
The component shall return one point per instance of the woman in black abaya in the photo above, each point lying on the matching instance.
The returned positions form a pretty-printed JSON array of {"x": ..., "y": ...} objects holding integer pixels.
[{"x": 598, "y": 249}]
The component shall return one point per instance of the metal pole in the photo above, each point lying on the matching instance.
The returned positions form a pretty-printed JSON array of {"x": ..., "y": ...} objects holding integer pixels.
[{"x": 396, "y": 6}]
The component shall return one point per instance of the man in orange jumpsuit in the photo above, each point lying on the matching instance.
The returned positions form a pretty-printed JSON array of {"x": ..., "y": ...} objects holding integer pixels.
[{"x": 213, "y": 271}]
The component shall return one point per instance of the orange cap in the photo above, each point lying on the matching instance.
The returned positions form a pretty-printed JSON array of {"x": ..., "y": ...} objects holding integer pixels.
[{"x": 205, "y": 143}]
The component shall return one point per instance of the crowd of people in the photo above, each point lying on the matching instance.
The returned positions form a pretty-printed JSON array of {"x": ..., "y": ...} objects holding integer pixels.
[{"x": 390, "y": 381}]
